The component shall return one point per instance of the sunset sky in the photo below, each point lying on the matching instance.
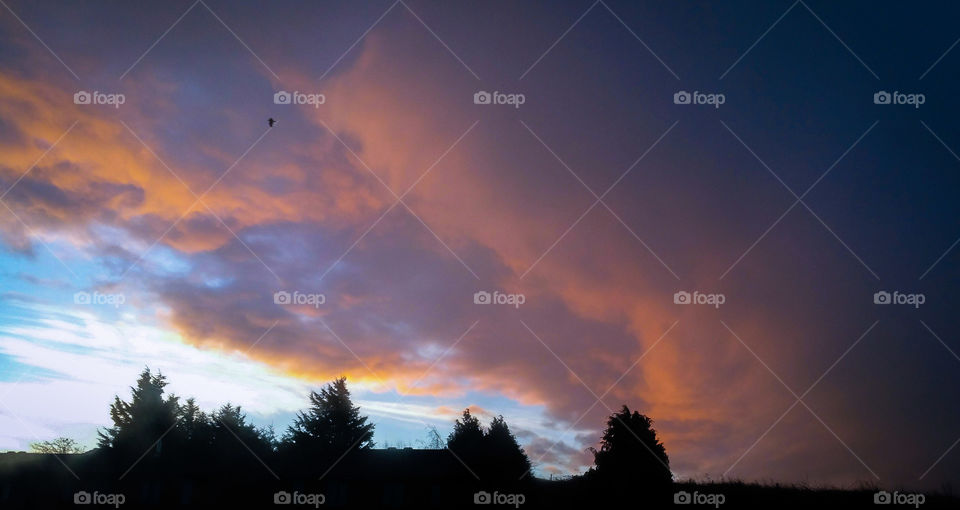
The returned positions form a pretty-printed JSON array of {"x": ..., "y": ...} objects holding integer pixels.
[{"x": 399, "y": 198}]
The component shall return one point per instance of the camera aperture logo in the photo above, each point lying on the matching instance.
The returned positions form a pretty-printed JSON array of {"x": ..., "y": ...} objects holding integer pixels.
[
  {"x": 97, "y": 498},
  {"x": 698, "y": 498},
  {"x": 699, "y": 98},
  {"x": 898, "y": 498},
  {"x": 898, "y": 298},
  {"x": 96, "y": 298},
  {"x": 482, "y": 297},
  {"x": 485, "y": 498},
  {"x": 299, "y": 98},
  {"x": 683, "y": 297},
  {"x": 297, "y": 498},
  {"x": 896, "y": 97},
  {"x": 283, "y": 297},
  {"x": 495, "y": 97},
  {"x": 96, "y": 97}
]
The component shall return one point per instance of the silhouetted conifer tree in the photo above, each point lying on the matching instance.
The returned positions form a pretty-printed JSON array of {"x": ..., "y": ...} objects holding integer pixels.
[
  {"x": 144, "y": 423},
  {"x": 234, "y": 440},
  {"x": 631, "y": 453},
  {"x": 466, "y": 440},
  {"x": 332, "y": 425},
  {"x": 507, "y": 460}
]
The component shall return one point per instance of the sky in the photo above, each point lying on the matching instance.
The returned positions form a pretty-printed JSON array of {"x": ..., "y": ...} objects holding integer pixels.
[{"x": 813, "y": 223}]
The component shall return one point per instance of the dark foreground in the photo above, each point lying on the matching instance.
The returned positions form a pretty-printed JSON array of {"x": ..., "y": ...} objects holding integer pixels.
[{"x": 382, "y": 479}]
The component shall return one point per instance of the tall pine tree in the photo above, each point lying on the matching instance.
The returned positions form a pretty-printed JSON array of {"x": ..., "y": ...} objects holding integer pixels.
[
  {"x": 507, "y": 459},
  {"x": 332, "y": 425},
  {"x": 143, "y": 423}
]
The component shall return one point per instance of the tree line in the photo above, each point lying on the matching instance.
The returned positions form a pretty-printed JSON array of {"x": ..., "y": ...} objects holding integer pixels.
[{"x": 159, "y": 430}]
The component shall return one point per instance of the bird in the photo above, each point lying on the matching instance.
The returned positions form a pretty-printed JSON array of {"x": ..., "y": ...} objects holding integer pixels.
[{"x": 271, "y": 121}]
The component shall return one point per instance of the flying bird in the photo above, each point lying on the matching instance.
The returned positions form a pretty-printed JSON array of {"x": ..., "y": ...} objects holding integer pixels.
[{"x": 271, "y": 121}]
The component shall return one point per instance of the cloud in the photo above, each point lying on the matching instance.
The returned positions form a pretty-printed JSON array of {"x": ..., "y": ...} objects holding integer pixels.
[
  {"x": 72, "y": 363},
  {"x": 400, "y": 298},
  {"x": 308, "y": 206}
]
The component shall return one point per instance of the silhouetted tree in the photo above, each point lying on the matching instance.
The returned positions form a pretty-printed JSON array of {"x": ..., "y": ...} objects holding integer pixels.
[
  {"x": 143, "y": 423},
  {"x": 269, "y": 435},
  {"x": 234, "y": 439},
  {"x": 507, "y": 459},
  {"x": 332, "y": 425},
  {"x": 58, "y": 446},
  {"x": 194, "y": 425},
  {"x": 466, "y": 440},
  {"x": 433, "y": 441},
  {"x": 207, "y": 462},
  {"x": 630, "y": 451},
  {"x": 492, "y": 454}
]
